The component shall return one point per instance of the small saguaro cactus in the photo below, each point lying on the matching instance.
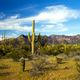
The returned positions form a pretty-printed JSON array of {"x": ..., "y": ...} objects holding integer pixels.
[
  {"x": 3, "y": 38},
  {"x": 3, "y": 35},
  {"x": 3, "y": 42}
]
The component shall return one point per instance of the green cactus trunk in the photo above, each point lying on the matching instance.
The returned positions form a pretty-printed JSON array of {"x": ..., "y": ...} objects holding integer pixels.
[
  {"x": 3, "y": 40},
  {"x": 33, "y": 36}
]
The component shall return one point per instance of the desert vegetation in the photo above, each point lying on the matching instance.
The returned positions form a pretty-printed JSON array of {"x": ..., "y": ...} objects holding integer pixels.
[{"x": 43, "y": 61}]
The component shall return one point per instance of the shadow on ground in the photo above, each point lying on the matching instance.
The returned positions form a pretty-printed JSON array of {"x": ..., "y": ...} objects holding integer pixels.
[
  {"x": 4, "y": 67},
  {"x": 5, "y": 73}
]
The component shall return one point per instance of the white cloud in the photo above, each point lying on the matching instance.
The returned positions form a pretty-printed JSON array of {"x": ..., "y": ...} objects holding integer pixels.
[
  {"x": 51, "y": 19},
  {"x": 14, "y": 17},
  {"x": 53, "y": 28},
  {"x": 12, "y": 23},
  {"x": 55, "y": 14},
  {"x": 16, "y": 26}
]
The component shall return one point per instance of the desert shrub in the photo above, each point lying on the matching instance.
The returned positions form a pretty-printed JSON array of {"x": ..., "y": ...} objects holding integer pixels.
[
  {"x": 57, "y": 49},
  {"x": 44, "y": 50},
  {"x": 78, "y": 69},
  {"x": 1, "y": 53},
  {"x": 25, "y": 47},
  {"x": 49, "y": 50},
  {"x": 68, "y": 49},
  {"x": 16, "y": 54},
  {"x": 72, "y": 50},
  {"x": 59, "y": 60},
  {"x": 4, "y": 50},
  {"x": 61, "y": 48},
  {"x": 37, "y": 67},
  {"x": 41, "y": 65}
]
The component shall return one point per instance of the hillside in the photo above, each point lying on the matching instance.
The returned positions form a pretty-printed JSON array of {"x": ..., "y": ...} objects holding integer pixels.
[{"x": 53, "y": 39}]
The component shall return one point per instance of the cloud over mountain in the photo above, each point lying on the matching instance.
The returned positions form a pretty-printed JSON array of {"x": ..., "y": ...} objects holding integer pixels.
[{"x": 50, "y": 19}]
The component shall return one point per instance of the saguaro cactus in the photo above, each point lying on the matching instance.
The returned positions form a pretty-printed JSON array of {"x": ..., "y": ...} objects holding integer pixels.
[
  {"x": 3, "y": 38},
  {"x": 3, "y": 41},
  {"x": 32, "y": 41},
  {"x": 33, "y": 35},
  {"x": 3, "y": 35}
]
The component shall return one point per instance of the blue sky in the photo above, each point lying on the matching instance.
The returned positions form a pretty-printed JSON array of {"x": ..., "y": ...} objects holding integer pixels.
[{"x": 51, "y": 16}]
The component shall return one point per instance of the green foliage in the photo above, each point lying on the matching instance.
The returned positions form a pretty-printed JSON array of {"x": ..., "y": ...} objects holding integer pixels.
[
  {"x": 15, "y": 54},
  {"x": 1, "y": 51},
  {"x": 53, "y": 50},
  {"x": 37, "y": 42},
  {"x": 15, "y": 50},
  {"x": 42, "y": 65},
  {"x": 67, "y": 49}
]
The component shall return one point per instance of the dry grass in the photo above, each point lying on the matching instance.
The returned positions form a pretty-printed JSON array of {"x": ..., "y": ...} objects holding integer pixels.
[{"x": 10, "y": 70}]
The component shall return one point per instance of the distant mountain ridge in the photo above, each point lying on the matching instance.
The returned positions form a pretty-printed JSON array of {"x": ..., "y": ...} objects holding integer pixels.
[
  {"x": 53, "y": 39},
  {"x": 57, "y": 39}
]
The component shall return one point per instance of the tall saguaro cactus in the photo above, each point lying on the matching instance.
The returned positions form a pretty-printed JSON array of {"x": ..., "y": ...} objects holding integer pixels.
[
  {"x": 32, "y": 41},
  {"x": 33, "y": 35}
]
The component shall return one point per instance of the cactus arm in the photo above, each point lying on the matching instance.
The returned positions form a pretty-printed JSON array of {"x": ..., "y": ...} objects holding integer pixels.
[{"x": 29, "y": 37}]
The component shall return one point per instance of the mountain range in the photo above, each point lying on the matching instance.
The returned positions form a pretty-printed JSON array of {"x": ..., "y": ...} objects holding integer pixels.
[{"x": 52, "y": 39}]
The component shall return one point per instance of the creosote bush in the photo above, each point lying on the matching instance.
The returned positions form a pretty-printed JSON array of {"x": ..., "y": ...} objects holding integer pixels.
[
  {"x": 16, "y": 54},
  {"x": 10, "y": 51},
  {"x": 41, "y": 65}
]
